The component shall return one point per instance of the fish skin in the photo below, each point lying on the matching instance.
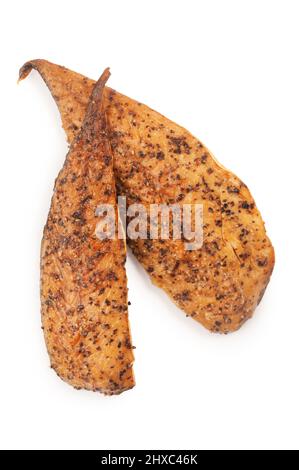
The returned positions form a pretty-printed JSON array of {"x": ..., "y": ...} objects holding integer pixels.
[
  {"x": 83, "y": 279},
  {"x": 158, "y": 161}
]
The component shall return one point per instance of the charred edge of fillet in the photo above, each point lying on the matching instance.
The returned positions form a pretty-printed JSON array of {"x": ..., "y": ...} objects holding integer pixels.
[
  {"x": 95, "y": 99},
  {"x": 28, "y": 66}
]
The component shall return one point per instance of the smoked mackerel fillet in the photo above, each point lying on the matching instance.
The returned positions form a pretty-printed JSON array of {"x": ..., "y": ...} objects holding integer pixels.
[
  {"x": 157, "y": 161},
  {"x": 83, "y": 278}
]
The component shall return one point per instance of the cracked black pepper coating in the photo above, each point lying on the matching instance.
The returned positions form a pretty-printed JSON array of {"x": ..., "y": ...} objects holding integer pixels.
[
  {"x": 157, "y": 161},
  {"x": 83, "y": 279}
]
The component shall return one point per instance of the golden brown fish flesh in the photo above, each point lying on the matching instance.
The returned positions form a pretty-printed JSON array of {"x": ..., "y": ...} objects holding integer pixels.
[
  {"x": 157, "y": 161},
  {"x": 83, "y": 278}
]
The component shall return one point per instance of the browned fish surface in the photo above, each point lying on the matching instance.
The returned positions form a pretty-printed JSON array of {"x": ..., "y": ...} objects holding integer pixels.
[
  {"x": 83, "y": 279},
  {"x": 157, "y": 161}
]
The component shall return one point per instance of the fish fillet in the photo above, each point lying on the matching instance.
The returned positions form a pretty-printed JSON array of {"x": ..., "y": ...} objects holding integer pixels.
[
  {"x": 83, "y": 278},
  {"x": 157, "y": 161}
]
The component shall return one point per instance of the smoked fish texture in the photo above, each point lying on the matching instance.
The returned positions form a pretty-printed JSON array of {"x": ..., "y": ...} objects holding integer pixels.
[
  {"x": 83, "y": 278},
  {"x": 157, "y": 161}
]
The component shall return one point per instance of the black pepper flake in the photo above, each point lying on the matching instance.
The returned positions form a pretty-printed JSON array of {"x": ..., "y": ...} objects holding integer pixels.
[
  {"x": 86, "y": 199},
  {"x": 219, "y": 296},
  {"x": 233, "y": 189},
  {"x": 160, "y": 155},
  {"x": 77, "y": 215},
  {"x": 185, "y": 295},
  {"x": 180, "y": 145},
  {"x": 111, "y": 276},
  {"x": 148, "y": 244},
  {"x": 261, "y": 262},
  {"x": 246, "y": 205},
  {"x": 107, "y": 160},
  {"x": 180, "y": 197}
]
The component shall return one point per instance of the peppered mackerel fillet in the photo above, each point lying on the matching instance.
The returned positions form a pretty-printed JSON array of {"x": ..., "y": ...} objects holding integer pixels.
[
  {"x": 157, "y": 161},
  {"x": 83, "y": 278}
]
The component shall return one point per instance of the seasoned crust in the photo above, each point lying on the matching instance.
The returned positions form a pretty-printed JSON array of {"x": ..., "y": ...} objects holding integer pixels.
[
  {"x": 155, "y": 160},
  {"x": 83, "y": 279}
]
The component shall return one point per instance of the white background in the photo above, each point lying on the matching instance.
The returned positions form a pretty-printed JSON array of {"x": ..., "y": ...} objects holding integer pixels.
[{"x": 228, "y": 72}]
